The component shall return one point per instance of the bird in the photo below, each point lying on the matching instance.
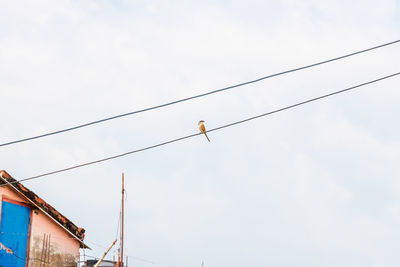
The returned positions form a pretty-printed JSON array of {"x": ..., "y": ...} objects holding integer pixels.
[{"x": 203, "y": 129}]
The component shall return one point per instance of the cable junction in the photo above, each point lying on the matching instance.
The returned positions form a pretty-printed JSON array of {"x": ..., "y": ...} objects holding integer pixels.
[
  {"x": 211, "y": 130},
  {"x": 199, "y": 95}
]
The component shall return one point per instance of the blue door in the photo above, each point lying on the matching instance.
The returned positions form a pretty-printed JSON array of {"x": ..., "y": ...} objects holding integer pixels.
[{"x": 14, "y": 227}]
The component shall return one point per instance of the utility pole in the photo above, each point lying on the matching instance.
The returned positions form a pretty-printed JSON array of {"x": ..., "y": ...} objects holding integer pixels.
[{"x": 122, "y": 223}]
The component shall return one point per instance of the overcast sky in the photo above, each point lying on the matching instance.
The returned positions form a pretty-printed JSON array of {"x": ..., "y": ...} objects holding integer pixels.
[{"x": 318, "y": 185}]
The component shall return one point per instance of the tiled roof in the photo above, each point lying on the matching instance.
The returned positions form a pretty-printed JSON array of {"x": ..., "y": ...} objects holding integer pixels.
[{"x": 77, "y": 232}]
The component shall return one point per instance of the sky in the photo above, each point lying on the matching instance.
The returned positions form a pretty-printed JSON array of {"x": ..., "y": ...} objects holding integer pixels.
[{"x": 316, "y": 185}]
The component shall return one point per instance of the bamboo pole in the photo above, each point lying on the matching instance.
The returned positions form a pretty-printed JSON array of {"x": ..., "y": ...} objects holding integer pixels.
[{"x": 105, "y": 253}]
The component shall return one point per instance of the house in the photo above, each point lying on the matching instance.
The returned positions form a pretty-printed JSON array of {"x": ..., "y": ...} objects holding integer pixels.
[
  {"x": 32, "y": 232},
  {"x": 104, "y": 263}
]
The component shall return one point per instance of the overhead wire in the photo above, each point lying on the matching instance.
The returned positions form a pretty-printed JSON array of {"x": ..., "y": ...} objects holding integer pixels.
[
  {"x": 96, "y": 244},
  {"x": 140, "y": 259},
  {"x": 151, "y": 262},
  {"x": 211, "y": 130},
  {"x": 199, "y": 95}
]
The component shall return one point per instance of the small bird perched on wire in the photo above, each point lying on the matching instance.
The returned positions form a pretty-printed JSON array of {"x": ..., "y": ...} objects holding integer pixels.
[{"x": 203, "y": 129}]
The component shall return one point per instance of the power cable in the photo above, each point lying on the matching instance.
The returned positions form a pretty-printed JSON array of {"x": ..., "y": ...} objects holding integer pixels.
[
  {"x": 96, "y": 244},
  {"x": 198, "y": 96},
  {"x": 12, "y": 253},
  {"x": 139, "y": 259},
  {"x": 151, "y": 262},
  {"x": 214, "y": 129}
]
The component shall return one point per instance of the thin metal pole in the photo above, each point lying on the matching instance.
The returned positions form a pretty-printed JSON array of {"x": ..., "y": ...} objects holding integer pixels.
[
  {"x": 42, "y": 252},
  {"x": 119, "y": 257},
  {"x": 122, "y": 223},
  {"x": 48, "y": 249}
]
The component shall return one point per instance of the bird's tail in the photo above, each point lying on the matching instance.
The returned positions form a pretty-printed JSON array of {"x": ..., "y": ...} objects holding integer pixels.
[{"x": 207, "y": 136}]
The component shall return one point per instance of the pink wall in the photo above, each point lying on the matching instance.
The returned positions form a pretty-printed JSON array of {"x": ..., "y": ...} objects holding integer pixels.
[{"x": 61, "y": 250}]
